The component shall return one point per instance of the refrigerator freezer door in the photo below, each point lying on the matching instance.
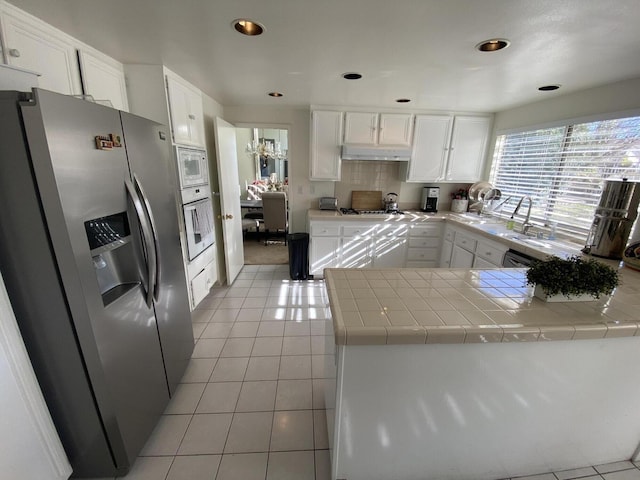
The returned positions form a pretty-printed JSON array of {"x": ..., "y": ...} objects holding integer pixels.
[
  {"x": 119, "y": 342},
  {"x": 150, "y": 158}
]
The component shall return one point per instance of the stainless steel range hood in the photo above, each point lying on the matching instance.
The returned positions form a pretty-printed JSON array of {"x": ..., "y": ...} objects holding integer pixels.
[{"x": 367, "y": 152}]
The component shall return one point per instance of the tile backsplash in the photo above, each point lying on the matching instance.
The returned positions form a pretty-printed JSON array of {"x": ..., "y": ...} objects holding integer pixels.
[{"x": 386, "y": 177}]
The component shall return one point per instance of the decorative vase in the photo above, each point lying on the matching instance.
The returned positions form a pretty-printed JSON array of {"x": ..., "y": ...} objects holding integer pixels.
[
  {"x": 539, "y": 293},
  {"x": 459, "y": 206}
]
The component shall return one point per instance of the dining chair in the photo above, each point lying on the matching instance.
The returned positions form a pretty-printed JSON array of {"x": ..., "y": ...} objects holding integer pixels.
[{"x": 274, "y": 210}]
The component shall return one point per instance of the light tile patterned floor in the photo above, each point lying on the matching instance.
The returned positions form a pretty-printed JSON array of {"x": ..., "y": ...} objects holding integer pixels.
[{"x": 251, "y": 405}]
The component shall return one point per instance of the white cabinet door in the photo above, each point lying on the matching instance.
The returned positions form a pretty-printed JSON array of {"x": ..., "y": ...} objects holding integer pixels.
[
  {"x": 361, "y": 128},
  {"x": 356, "y": 252},
  {"x": 445, "y": 254},
  {"x": 430, "y": 148},
  {"x": 326, "y": 140},
  {"x": 461, "y": 258},
  {"x": 103, "y": 79},
  {"x": 324, "y": 253},
  {"x": 468, "y": 148},
  {"x": 390, "y": 252},
  {"x": 395, "y": 129},
  {"x": 34, "y": 45},
  {"x": 202, "y": 283},
  {"x": 185, "y": 107},
  {"x": 481, "y": 263}
]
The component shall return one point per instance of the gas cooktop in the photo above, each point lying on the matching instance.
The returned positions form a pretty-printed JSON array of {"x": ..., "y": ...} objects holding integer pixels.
[{"x": 351, "y": 211}]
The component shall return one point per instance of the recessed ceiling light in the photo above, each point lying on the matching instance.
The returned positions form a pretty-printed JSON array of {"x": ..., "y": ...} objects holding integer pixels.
[
  {"x": 403, "y": 100},
  {"x": 352, "y": 76},
  {"x": 247, "y": 27},
  {"x": 493, "y": 45},
  {"x": 275, "y": 94},
  {"x": 548, "y": 88}
]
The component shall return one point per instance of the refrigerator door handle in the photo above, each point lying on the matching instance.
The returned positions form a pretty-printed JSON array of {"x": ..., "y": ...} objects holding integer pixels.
[
  {"x": 154, "y": 233},
  {"x": 147, "y": 240}
]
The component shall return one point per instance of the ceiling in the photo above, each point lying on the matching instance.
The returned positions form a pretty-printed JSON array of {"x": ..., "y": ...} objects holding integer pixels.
[{"x": 417, "y": 49}]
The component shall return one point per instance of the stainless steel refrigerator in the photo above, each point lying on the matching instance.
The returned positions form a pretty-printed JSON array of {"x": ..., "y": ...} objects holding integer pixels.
[{"x": 90, "y": 253}]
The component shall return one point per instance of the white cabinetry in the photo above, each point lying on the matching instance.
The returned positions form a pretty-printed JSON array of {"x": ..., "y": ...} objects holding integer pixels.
[
  {"x": 326, "y": 140},
  {"x": 460, "y": 257},
  {"x": 424, "y": 245},
  {"x": 357, "y": 248},
  {"x": 358, "y": 244},
  {"x": 185, "y": 106},
  {"x": 31, "y": 44},
  {"x": 324, "y": 246},
  {"x": 463, "y": 249},
  {"x": 468, "y": 148},
  {"x": 448, "y": 148},
  {"x": 103, "y": 78},
  {"x": 378, "y": 128},
  {"x": 202, "y": 273},
  {"x": 391, "y": 245}
]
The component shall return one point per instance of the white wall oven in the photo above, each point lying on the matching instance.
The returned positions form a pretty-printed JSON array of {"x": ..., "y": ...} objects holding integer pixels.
[
  {"x": 193, "y": 167},
  {"x": 199, "y": 228}
]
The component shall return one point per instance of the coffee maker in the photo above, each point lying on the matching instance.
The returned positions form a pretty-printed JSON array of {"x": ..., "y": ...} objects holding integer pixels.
[{"x": 429, "y": 200}]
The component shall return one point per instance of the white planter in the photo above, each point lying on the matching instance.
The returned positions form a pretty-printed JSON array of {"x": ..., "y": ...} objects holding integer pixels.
[
  {"x": 459, "y": 206},
  {"x": 585, "y": 297}
]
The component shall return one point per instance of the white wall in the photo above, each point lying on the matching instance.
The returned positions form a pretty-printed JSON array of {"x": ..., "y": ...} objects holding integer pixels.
[{"x": 302, "y": 193}]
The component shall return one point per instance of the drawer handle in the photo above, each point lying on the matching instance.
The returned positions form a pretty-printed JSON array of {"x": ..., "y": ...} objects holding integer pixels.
[
  {"x": 192, "y": 116},
  {"x": 487, "y": 254},
  {"x": 14, "y": 52},
  {"x": 463, "y": 242}
]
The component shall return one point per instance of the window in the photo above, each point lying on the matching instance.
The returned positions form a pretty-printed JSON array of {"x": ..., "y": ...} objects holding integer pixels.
[{"x": 563, "y": 169}]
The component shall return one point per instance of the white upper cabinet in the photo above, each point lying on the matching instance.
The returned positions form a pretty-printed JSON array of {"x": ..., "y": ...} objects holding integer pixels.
[
  {"x": 429, "y": 154},
  {"x": 34, "y": 45},
  {"x": 326, "y": 141},
  {"x": 185, "y": 107},
  {"x": 448, "y": 149},
  {"x": 468, "y": 148},
  {"x": 103, "y": 78},
  {"x": 378, "y": 128}
]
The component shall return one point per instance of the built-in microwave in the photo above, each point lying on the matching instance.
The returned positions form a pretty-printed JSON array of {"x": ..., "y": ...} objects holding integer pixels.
[{"x": 193, "y": 167}]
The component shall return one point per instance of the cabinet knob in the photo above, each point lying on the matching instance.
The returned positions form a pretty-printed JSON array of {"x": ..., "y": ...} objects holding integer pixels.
[
  {"x": 192, "y": 116},
  {"x": 14, "y": 52},
  {"x": 488, "y": 254},
  {"x": 228, "y": 217}
]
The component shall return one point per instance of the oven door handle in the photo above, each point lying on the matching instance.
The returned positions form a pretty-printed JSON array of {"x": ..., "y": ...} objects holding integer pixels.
[
  {"x": 147, "y": 238},
  {"x": 154, "y": 233}
]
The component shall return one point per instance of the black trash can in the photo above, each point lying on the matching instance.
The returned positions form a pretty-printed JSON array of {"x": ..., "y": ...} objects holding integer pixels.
[{"x": 298, "y": 256}]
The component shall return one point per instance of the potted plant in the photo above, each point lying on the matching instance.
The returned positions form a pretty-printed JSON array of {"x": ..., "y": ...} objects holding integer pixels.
[
  {"x": 460, "y": 201},
  {"x": 573, "y": 279}
]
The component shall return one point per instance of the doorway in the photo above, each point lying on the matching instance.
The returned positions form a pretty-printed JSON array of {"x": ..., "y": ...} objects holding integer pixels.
[{"x": 263, "y": 166}]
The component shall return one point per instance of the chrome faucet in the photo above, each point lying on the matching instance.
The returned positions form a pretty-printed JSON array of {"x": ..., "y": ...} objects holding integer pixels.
[{"x": 526, "y": 225}]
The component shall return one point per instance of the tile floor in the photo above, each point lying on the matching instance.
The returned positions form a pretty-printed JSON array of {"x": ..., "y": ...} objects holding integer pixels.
[{"x": 251, "y": 405}]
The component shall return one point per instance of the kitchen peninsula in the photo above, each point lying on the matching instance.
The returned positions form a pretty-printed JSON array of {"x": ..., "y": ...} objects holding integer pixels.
[{"x": 438, "y": 365}]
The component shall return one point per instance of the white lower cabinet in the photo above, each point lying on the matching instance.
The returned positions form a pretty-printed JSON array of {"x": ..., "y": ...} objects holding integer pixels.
[
  {"x": 354, "y": 244},
  {"x": 391, "y": 244},
  {"x": 202, "y": 274},
  {"x": 445, "y": 254},
  {"x": 463, "y": 249},
  {"x": 424, "y": 245},
  {"x": 461, "y": 258},
  {"x": 323, "y": 253},
  {"x": 202, "y": 283}
]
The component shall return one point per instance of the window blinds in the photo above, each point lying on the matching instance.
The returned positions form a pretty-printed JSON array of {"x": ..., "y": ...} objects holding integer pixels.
[{"x": 563, "y": 169}]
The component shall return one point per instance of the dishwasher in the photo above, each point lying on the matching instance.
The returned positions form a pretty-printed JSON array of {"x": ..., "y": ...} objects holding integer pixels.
[{"x": 515, "y": 259}]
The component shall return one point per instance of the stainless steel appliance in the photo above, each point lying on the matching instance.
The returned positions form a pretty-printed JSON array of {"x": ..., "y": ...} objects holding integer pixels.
[
  {"x": 515, "y": 259},
  {"x": 429, "y": 200},
  {"x": 328, "y": 203},
  {"x": 90, "y": 254},
  {"x": 391, "y": 202},
  {"x": 193, "y": 167},
  {"x": 614, "y": 217}
]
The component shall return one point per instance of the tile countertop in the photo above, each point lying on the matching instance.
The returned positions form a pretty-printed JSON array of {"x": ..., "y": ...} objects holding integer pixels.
[
  {"x": 438, "y": 305},
  {"x": 492, "y": 228}
]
